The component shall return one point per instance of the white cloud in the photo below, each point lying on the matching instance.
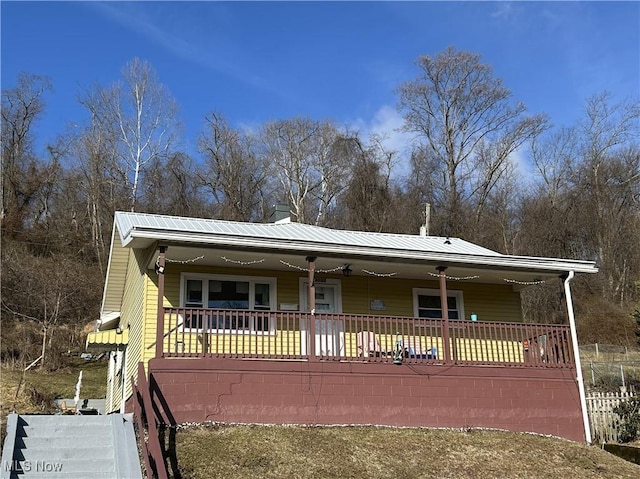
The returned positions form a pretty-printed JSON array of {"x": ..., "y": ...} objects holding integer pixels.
[
  {"x": 387, "y": 123},
  {"x": 522, "y": 163}
]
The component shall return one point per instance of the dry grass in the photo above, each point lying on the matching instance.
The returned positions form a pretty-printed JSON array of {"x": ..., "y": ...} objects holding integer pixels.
[
  {"x": 39, "y": 387},
  {"x": 373, "y": 452}
]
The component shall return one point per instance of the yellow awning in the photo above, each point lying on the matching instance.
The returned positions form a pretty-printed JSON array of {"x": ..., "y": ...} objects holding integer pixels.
[{"x": 107, "y": 339}]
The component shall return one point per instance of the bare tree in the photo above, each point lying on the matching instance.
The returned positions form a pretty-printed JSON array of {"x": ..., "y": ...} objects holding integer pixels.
[
  {"x": 47, "y": 291},
  {"x": 23, "y": 174},
  {"x": 467, "y": 127},
  {"x": 306, "y": 159},
  {"x": 174, "y": 187},
  {"x": 608, "y": 182},
  {"x": 368, "y": 200},
  {"x": 233, "y": 172},
  {"x": 141, "y": 115},
  {"x": 96, "y": 187}
]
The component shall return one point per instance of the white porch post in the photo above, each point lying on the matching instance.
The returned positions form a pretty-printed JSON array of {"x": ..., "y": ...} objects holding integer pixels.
[
  {"x": 576, "y": 352},
  {"x": 123, "y": 363}
]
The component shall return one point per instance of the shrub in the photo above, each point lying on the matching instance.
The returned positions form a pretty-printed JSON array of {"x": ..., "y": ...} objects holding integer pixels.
[{"x": 629, "y": 413}]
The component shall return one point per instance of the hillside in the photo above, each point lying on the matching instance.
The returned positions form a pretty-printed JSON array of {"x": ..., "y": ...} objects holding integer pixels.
[{"x": 373, "y": 452}]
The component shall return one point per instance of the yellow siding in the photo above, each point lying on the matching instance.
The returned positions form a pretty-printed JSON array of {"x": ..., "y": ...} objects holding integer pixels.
[
  {"x": 492, "y": 302},
  {"x": 116, "y": 275},
  {"x": 151, "y": 311},
  {"x": 282, "y": 343},
  {"x": 132, "y": 314},
  {"x": 397, "y": 294}
]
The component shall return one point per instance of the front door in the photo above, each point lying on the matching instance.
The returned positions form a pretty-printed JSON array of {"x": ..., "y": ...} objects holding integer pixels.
[
  {"x": 329, "y": 332},
  {"x": 325, "y": 299}
]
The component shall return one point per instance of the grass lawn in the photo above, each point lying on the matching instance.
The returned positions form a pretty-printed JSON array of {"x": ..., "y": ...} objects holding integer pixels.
[{"x": 374, "y": 452}]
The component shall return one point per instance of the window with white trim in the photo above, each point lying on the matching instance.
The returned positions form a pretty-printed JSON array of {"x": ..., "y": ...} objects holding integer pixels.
[
  {"x": 230, "y": 293},
  {"x": 427, "y": 304}
]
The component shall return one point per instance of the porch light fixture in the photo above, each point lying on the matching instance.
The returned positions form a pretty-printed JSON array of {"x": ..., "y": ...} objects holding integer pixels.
[
  {"x": 346, "y": 270},
  {"x": 158, "y": 268}
]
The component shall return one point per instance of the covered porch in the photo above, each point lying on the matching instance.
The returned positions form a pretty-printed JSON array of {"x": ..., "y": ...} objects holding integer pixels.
[{"x": 307, "y": 366}]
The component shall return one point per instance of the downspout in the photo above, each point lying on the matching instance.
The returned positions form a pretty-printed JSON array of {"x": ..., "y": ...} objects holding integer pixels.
[{"x": 576, "y": 352}]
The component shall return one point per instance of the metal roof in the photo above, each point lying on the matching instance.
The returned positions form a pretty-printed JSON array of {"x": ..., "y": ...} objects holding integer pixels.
[
  {"x": 140, "y": 230},
  {"x": 131, "y": 223}
]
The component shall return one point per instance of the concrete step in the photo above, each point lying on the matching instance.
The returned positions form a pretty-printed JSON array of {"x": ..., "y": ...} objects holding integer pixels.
[
  {"x": 61, "y": 454},
  {"x": 71, "y": 447},
  {"x": 50, "y": 431},
  {"x": 56, "y": 419},
  {"x": 66, "y": 440}
]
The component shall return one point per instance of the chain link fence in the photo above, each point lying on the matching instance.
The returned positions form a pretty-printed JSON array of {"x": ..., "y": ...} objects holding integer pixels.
[{"x": 610, "y": 368}]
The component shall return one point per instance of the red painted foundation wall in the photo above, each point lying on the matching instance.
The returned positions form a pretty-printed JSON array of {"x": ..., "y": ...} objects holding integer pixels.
[{"x": 544, "y": 401}]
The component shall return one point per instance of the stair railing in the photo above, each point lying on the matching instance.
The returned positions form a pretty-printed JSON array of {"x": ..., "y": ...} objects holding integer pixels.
[{"x": 149, "y": 438}]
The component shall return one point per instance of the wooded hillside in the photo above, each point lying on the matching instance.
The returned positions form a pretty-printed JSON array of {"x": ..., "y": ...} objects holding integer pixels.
[{"x": 581, "y": 201}]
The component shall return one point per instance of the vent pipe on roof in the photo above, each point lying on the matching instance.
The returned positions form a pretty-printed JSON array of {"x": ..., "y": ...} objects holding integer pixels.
[
  {"x": 280, "y": 214},
  {"x": 424, "y": 229}
]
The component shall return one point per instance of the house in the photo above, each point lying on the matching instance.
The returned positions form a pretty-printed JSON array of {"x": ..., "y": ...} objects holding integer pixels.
[{"x": 291, "y": 323}]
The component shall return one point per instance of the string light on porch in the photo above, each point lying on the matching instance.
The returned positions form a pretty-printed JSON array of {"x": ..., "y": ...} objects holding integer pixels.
[
  {"x": 379, "y": 275},
  {"x": 332, "y": 270},
  {"x": 184, "y": 261},
  {"x": 524, "y": 283},
  {"x": 294, "y": 266},
  {"x": 242, "y": 263},
  {"x": 455, "y": 278}
]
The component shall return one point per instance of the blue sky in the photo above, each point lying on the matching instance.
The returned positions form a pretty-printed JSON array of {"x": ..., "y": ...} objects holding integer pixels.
[{"x": 261, "y": 61}]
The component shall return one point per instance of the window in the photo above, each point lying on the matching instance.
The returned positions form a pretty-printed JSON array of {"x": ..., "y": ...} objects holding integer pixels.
[
  {"x": 228, "y": 292},
  {"x": 426, "y": 304}
]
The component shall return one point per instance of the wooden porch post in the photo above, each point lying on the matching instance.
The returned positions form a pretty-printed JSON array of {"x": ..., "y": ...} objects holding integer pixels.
[
  {"x": 160, "y": 265},
  {"x": 311, "y": 261},
  {"x": 444, "y": 305}
]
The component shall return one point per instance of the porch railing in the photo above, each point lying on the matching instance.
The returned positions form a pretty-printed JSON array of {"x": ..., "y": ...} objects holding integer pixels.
[
  {"x": 284, "y": 335},
  {"x": 146, "y": 421}
]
